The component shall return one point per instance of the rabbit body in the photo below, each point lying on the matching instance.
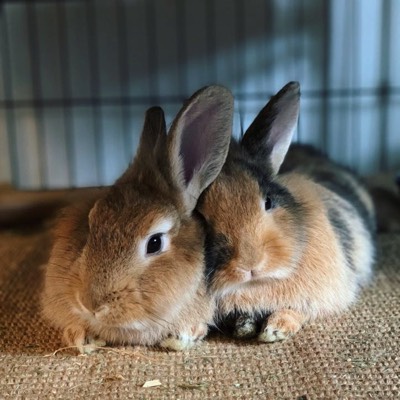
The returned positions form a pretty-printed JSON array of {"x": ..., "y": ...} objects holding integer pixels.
[
  {"x": 288, "y": 247},
  {"x": 127, "y": 265},
  {"x": 165, "y": 302}
]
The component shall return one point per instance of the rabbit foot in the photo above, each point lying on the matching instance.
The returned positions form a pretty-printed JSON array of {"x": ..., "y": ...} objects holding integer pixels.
[
  {"x": 92, "y": 344},
  {"x": 185, "y": 340},
  {"x": 182, "y": 342},
  {"x": 281, "y": 325},
  {"x": 245, "y": 327},
  {"x": 76, "y": 336}
]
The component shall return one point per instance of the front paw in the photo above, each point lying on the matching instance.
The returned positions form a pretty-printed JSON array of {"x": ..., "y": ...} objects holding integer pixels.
[
  {"x": 76, "y": 336},
  {"x": 185, "y": 340},
  {"x": 246, "y": 327},
  {"x": 280, "y": 326}
]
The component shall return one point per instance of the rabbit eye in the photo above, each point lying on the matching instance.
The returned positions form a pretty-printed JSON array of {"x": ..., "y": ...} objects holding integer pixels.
[
  {"x": 155, "y": 244},
  {"x": 268, "y": 203}
]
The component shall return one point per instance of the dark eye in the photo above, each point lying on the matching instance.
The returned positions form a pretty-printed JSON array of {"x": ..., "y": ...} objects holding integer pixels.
[
  {"x": 268, "y": 203},
  {"x": 154, "y": 244}
]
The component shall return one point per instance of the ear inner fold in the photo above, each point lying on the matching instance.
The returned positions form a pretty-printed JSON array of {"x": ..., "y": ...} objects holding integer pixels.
[{"x": 199, "y": 141}]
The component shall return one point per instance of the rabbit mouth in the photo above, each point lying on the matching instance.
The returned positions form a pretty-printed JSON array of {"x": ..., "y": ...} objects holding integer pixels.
[
  {"x": 247, "y": 275},
  {"x": 254, "y": 273}
]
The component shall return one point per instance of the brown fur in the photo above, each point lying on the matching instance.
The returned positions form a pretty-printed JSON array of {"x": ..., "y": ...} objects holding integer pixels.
[
  {"x": 307, "y": 251},
  {"x": 288, "y": 261},
  {"x": 161, "y": 304},
  {"x": 100, "y": 281}
]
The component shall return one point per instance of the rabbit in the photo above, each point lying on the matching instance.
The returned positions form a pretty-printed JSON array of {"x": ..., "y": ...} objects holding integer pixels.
[
  {"x": 127, "y": 264},
  {"x": 290, "y": 247}
]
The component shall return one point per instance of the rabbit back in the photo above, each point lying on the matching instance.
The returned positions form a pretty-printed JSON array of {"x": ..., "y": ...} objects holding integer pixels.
[{"x": 346, "y": 201}]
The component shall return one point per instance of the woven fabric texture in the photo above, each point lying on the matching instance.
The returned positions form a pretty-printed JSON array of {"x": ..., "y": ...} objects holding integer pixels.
[{"x": 353, "y": 356}]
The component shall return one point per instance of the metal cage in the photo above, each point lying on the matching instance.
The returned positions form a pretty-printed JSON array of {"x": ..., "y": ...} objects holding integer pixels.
[{"x": 77, "y": 76}]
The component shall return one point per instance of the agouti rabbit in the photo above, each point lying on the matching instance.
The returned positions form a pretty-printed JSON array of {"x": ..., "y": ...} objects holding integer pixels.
[{"x": 128, "y": 265}]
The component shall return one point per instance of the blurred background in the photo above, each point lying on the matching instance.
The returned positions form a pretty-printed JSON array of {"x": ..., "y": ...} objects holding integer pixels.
[{"x": 77, "y": 76}]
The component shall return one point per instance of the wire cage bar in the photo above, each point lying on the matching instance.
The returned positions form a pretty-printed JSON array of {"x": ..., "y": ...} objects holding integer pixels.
[{"x": 76, "y": 77}]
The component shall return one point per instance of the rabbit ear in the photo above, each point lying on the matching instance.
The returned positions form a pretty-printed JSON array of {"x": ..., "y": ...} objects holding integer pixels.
[
  {"x": 153, "y": 137},
  {"x": 198, "y": 141},
  {"x": 269, "y": 136},
  {"x": 154, "y": 130}
]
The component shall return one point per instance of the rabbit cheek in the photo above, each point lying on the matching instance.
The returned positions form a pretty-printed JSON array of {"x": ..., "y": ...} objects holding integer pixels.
[
  {"x": 278, "y": 254},
  {"x": 283, "y": 241},
  {"x": 164, "y": 298}
]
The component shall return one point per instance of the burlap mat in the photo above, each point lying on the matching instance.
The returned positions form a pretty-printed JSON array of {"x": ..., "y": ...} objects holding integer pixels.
[{"x": 355, "y": 356}]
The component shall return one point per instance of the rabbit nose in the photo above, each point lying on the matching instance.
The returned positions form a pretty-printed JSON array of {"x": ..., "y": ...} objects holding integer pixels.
[
  {"x": 251, "y": 264},
  {"x": 251, "y": 272}
]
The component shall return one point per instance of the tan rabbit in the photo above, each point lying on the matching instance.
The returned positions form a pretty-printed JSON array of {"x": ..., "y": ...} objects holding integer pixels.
[
  {"x": 287, "y": 248},
  {"x": 127, "y": 266}
]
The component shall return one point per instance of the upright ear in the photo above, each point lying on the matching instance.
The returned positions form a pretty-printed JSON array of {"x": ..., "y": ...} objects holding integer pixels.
[
  {"x": 153, "y": 137},
  {"x": 154, "y": 131},
  {"x": 198, "y": 142},
  {"x": 268, "y": 138}
]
